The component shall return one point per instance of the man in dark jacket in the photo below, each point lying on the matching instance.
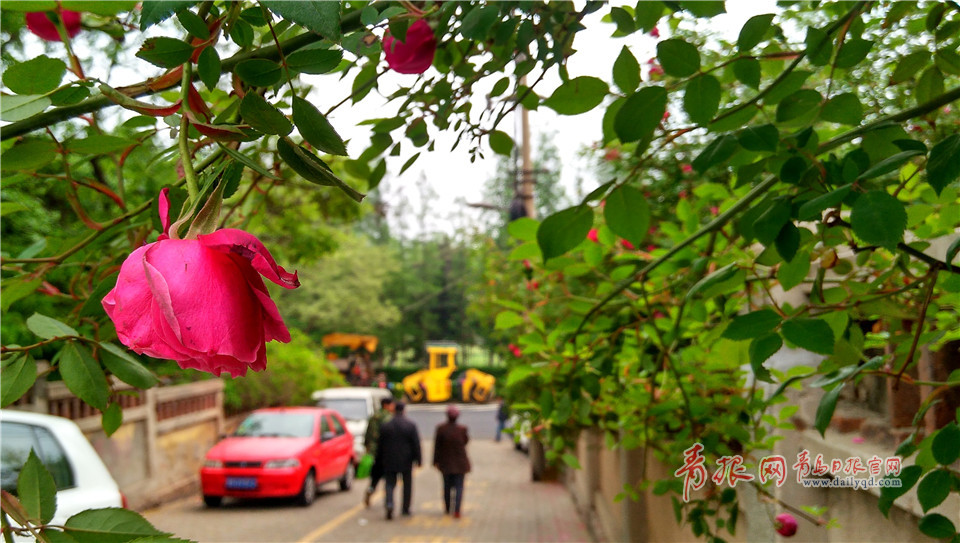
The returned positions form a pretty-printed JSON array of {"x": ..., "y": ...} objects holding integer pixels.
[
  {"x": 450, "y": 457},
  {"x": 397, "y": 450}
]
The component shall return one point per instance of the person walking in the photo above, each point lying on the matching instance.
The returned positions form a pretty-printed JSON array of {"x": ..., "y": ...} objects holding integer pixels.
[
  {"x": 503, "y": 413},
  {"x": 450, "y": 457},
  {"x": 397, "y": 450},
  {"x": 370, "y": 438}
]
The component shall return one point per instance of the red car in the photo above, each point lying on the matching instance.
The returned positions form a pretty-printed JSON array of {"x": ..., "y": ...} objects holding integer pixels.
[{"x": 280, "y": 452}]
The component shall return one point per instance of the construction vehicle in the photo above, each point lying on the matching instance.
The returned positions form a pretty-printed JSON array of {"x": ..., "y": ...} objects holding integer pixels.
[
  {"x": 435, "y": 383},
  {"x": 354, "y": 364}
]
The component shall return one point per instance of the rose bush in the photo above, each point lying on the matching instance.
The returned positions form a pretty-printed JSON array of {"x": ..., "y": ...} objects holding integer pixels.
[
  {"x": 200, "y": 301},
  {"x": 40, "y": 24},
  {"x": 415, "y": 54}
]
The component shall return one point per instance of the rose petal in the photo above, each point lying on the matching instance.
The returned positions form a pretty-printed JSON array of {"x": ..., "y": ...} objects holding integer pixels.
[
  {"x": 247, "y": 246},
  {"x": 164, "y": 208}
]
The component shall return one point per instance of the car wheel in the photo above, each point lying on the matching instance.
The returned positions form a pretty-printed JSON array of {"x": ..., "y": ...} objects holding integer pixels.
[
  {"x": 212, "y": 501},
  {"x": 347, "y": 480},
  {"x": 308, "y": 492}
]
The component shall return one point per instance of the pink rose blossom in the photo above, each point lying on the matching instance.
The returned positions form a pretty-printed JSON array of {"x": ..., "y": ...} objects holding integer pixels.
[
  {"x": 627, "y": 245},
  {"x": 655, "y": 32},
  {"x": 686, "y": 168},
  {"x": 414, "y": 55},
  {"x": 785, "y": 524},
  {"x": 656, "y": 71},
  {"x": 43, "y": 27},
  {"x": 200, "y": 301},
  {"x": 592, "y": 235}
]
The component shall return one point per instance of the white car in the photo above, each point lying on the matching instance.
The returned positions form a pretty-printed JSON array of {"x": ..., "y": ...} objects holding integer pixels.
[
  {"x": 82, "y": 479},
  {"x": 357, "y": 405}
]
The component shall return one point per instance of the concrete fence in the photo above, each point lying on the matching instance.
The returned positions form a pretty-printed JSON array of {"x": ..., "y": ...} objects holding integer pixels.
[{"x": 157, "y": 452}]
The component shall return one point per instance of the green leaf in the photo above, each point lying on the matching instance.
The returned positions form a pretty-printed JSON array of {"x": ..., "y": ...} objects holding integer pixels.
[
  {"x": 241, "y": 33},
  {"x": 948, "y": 61},
  {"x": 747, "y": 71},
  {"x": 17, "y": 108},
  {"x": 316, "y": 129},
  {"x": 843, "y": 109},
  {"x": 929, "y": 86},
  {"x": 98, "y": 144},
  {"x": 627, "y": 213},
  {"x": 752, "y": 325},
  {"x": 814, "y": 335},
  {"x": 507, "y": 320},
  {"x": 798, "y": 104},
  {"x": 37, "y": 490},
  {"x": 759, "y": 138},
  {"x": 316, "y": 16},
  {"x": 98, "y": 7},
  {"x": 716, "y": 278},
  {"x": 571, "y": 460},
  {"x": 109, "y": 525},
  {"x": 478, "y": 21},
  {"x": 313, "y": 169},
  {"x": 943, "y": 167},
  {"x": 701, "y": 98},
  {"x": 578, "y": 95},
  {"x": 678, "y": 57},
  {"x": 259, "y": 72},
  {"x": 314, "y": 61},
  {"x": 165, "y": 52},
  {"x": 38, "y": 75},
  {"x": 716, "y": 152},
  {"x": 111, "y": 419},
  {"x": 48, "y": 328},
  {"x": 193, "y": 24},
  {"x": 946, "y": 444},
  {"x": 68, "y": 96},
  {"x": 28, "y": 156},
  {"x": 934, "y": 488},
  {"x": 852, "y": 52},
  {"x": 624, "y": 21},
  {"x": 889, "y": 164},
  {"x": 909, "y": 66},
  {"x": 761, "y": 349},
  {"x": 16, "y": 378},
  {"x": 937, "y": 526},
  {"x": 564, "y": 230},
  {"x": 878, "y": 219},
  {"x": 794, "y": 271},
  {"x": 83, "y": 375},
  {"x": 408, "y": 163},
  {"x": 249, "y": 162},
  {"x": 828, "y": 404},
  {"x": 640, "y": 115},
  {"x": 209, "y": 67},
  {"x": 703, "y": 8},
  {"x": 626, "y": 71},
  {"x": 157, "y": 11},
  {"x": 813, "y": 208},
  {"x": 819, "y": 47},
  {"x": 785, "y": 87},
  {"x": 753, "y": 31},
  {"x": 127, "y": 368},
  {"x": 501, "y": 143},
  {"x": 788, "y": 241},
  {"x": 523, "y": 229},
  {"x": 648, "y": 14},
  {"x": 262, "y": 116}
]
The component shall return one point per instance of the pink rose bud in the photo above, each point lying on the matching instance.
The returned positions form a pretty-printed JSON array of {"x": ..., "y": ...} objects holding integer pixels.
[
  {"x": 611, "y": 155},
  {"x": 627, "y": 245},
  {"x": 655, "y": 32},
  {"x": 656, "y": 71},
  {"x": 533, "y": 285},
  {"x": 201, "y": 302},
  {"x": 651, "y": 248},
  {"x": 666, "y": 115},
  {"x": 858, "y": 440},
  {"x": 785, "y": 524},
  {"x": 526, "y": 264},
  {"x": 659, "y": 314},
  {"x": 682, "y": 194},
  {"x": 714, "y": 210},
  {"x": 592, "y": 235},
  {"x": 414, "y": 55},
  {"x": 686, "y": 168},
  {"x": 43, "y": 27}
]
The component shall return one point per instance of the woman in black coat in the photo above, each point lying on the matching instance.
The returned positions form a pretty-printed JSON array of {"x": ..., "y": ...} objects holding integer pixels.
[{"x": 450, "y": 457}]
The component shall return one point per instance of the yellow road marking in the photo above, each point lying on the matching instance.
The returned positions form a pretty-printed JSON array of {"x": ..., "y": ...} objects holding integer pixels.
[{"x": 336, "y": 521}]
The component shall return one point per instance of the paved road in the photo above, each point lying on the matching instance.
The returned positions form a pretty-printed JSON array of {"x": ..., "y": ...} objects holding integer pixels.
[{"x": 501, "y": 503}]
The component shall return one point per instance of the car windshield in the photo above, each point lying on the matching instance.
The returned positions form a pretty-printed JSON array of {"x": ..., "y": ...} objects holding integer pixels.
[
  {"x": 276, "y": 425},
  {"x": 351, "y": 409}
]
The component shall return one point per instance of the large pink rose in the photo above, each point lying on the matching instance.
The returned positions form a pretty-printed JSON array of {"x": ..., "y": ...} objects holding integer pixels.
[
  {"x": 200, "y": 301},
  {"x": 43, "y": 27},
  {"x": 415, "y": 55}
]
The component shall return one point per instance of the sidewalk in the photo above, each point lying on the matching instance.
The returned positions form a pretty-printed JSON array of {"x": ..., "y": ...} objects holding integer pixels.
[{"x": 501, "y": 504}]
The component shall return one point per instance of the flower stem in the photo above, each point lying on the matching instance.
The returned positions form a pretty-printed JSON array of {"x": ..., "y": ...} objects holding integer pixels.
[{"x": 189, "y": 175}]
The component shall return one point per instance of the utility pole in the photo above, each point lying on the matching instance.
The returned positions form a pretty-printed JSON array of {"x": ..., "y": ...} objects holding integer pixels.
[{"x": 527, "y": 174}]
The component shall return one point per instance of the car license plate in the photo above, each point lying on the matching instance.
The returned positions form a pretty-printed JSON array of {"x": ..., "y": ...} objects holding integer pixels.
[{"x": 241, "y": 483}]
